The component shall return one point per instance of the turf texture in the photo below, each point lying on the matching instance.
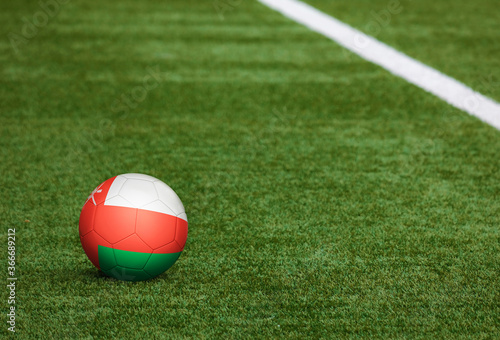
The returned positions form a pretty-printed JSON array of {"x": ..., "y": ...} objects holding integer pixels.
[{"x": 326, "y": 198}]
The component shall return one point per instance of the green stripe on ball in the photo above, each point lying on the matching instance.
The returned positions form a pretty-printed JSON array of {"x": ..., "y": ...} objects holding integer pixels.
[{"x": 134, "y": 266}]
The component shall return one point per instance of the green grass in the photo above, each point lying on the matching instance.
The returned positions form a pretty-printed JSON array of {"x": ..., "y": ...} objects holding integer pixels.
[
  {"x": 459, "y": 38},
  {"x": 325, "y": 197}
]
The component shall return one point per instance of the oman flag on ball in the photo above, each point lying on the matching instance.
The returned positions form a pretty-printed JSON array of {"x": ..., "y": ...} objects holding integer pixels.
[{"x": 133, "y": 227}]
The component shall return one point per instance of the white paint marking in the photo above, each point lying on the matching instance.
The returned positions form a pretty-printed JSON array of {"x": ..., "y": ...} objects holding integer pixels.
[{"x": 369, "y": 48}]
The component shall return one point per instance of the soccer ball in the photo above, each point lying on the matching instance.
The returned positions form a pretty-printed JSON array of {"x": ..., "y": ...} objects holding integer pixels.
[{"x": 133, "y": 227}]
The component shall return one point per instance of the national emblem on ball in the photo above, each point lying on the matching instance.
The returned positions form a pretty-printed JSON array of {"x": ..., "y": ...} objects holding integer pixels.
[{"x": 133, "y": 227}]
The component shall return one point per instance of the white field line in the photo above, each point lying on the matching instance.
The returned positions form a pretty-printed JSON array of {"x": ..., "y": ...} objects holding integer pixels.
[{"x": 369, "y": 48}]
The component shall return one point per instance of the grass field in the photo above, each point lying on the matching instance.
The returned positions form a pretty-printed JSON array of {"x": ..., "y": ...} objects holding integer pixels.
[{"x": 326, "y": 198}]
